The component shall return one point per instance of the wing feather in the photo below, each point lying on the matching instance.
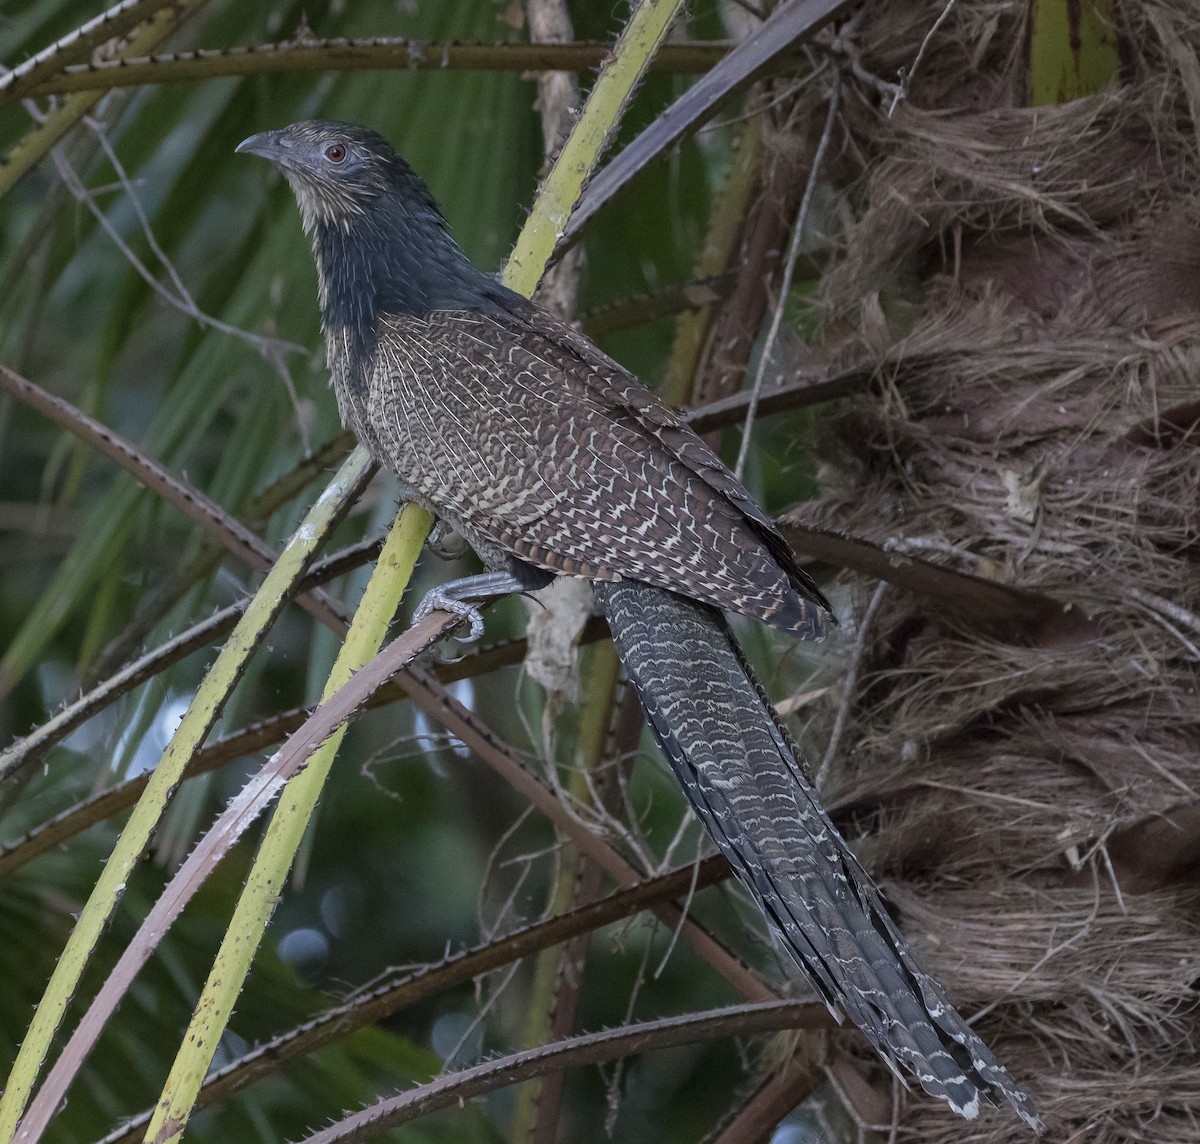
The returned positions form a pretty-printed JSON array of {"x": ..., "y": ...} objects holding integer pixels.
[{"x": 539, "y": 445}]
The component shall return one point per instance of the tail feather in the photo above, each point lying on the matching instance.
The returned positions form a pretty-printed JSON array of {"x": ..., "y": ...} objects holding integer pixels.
[{"x": 743, "y": 774}]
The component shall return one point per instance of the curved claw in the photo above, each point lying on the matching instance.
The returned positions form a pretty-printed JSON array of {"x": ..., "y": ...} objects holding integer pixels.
[
  {"x": 455, "y": 596},
  {"x": 436, "y": 600}
]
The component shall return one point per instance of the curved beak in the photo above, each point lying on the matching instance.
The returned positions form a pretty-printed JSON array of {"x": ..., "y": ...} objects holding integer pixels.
[{"x": 266, "y": 144}]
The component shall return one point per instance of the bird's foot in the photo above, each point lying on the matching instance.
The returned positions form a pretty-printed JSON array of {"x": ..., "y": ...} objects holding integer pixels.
[
  {"x": 436, "y": 600},
  {"x": 444, "y": 542},
  {"x": 456, "y": 598}
]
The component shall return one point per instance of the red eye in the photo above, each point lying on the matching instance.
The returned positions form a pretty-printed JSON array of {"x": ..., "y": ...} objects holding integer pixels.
[{"x": 335, "y": 152}]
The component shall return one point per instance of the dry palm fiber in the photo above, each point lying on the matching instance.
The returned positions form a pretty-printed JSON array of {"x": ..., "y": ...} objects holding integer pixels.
[{"x": 1019, "y": 289}]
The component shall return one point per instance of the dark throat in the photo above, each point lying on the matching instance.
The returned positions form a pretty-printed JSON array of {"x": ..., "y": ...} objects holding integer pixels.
[{"x": 395, "y": 258}]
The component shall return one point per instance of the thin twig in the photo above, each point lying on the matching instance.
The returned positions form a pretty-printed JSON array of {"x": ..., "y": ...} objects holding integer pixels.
[
  {"x": 906, "y": 75},
  {"x": 1164, "y": 607},
  {"x": 613, "y": 1086},
  {"x": 851, "y": 684},
  {"x": 845, "y": 42},
  {"x": 789, "y": 271},
  {"x": 272, "y": 349},
  {"x": 268, "y": 347},
  {"x": 685, "y": 906}
]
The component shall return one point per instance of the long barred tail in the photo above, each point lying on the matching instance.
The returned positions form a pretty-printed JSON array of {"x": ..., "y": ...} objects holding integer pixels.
[{"x": 745, "y": 778}]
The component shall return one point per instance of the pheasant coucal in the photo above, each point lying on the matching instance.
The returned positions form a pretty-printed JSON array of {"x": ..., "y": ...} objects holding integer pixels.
[{"x": 551, "y": 459}]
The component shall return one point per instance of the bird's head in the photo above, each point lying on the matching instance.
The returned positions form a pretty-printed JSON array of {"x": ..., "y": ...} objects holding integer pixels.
[
  {"x": 342, "y": 174},
  {"x": 381, "y": 243}
]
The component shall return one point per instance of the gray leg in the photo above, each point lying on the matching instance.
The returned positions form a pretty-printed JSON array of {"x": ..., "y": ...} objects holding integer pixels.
[
  {"x": 454, "y": 597},
  {"x": 444, "y": 542}
]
